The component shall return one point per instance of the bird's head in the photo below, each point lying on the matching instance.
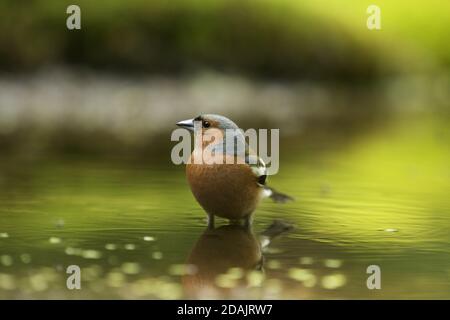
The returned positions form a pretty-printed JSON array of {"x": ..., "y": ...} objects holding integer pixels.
[
  {"x": 211, "y": 127},
  {"x": 207, "y": 122}
]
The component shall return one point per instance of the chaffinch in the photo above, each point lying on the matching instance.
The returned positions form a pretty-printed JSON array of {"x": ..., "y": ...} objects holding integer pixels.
[{"x": 232, "y": 186}]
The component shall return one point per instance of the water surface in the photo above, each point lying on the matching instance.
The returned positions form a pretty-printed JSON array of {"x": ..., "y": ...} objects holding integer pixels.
[{"x": 136, "y": 231}]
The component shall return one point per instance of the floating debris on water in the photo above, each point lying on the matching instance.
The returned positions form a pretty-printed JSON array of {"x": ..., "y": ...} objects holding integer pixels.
[
  {"x": 168, "y": 290},
  {"x": 25, "y": 258},
  {"x": 273, "y": 264},
  {"x": 255, "y": 278},
  {"x": 306, "y": 260},
  {"x": 38, "y": 282},
  {"x": 272, "y": 288},
  {"x": 235, "y": 273},
  {"x": 4, "y": 235},
  {"x": 149, "y": 238},
  {"x": 110, "y": 246},
  {"x": 182, "y": 269},
  {"x": 131, "y": 268},
  {"x": 73, "y": 251},
  {"x": 311, "y": 281},
  {"x": 303, "y": 275},
  {"x": 390, "y": 230},
  {"x": 7, "y": 282},
  {"x": 6, "y": 260},
  {"x": 333, "y": 281},
  {"x": 54, "y": 240},
  {"x": 130, "y": 246},
  {"x": 91, "y": 273},
  {"x": 298, "y": 274},
  {"x": 115, "y": 279},
  {"x": 157, "y": 255},
  {"x": 225, "y": 281},
  {"x": 333, "y": 263},
  {"x": 60, "y": 223},
  {"x": 91, "y": 254}
]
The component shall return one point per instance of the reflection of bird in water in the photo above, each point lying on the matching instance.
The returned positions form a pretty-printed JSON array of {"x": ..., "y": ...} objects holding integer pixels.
[
  {"x": 223, "y": 256},
  {"x": 230, "y": 179}
]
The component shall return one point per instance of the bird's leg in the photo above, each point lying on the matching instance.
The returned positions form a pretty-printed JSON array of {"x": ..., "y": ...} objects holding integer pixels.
[
  {"x": 260, "y": 265},
  {"x": 210, "y": 221},
  {"x": 248, "y": 221}
]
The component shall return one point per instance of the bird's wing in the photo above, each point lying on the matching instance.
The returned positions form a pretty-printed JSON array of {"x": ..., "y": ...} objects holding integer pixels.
[
  {"x": 241, "y": 149},
  {"x": 258, "y": 167},
  {"x": 260, "y": 171}
]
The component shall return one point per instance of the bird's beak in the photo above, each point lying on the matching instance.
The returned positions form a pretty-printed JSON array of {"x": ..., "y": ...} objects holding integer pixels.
[{"x": 188, "y": 124}]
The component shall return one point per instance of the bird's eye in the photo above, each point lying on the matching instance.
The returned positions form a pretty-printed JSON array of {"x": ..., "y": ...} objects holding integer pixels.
[{"x": 206, "y": 124}]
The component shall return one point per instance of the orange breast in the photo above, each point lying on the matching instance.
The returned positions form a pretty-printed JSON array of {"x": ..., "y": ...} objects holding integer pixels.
[{"x": 226, "y": 190}]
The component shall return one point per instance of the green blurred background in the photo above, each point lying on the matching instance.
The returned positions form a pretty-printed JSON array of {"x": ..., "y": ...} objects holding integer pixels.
[
  {"x": 278, "y": 62},
  {"x": 86, "y": 117}
]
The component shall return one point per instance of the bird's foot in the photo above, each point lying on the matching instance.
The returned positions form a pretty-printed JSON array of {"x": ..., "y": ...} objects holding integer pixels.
[
  {"x": 211, "y": 221},
  {"x": 248, "y": 222}
]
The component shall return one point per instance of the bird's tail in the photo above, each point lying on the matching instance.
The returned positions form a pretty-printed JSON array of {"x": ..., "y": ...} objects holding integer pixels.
[
  {"x": 277, "y": 228},
  {"x": 277, "y": 196}
]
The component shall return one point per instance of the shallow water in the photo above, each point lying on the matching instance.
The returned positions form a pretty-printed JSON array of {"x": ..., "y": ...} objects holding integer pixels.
[{"x": 136, "y": 231}]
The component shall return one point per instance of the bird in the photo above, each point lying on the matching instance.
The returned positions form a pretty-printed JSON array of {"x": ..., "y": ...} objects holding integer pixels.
[{"x": 232, "y": 187}]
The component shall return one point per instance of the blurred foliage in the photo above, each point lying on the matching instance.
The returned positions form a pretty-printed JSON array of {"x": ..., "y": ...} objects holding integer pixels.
[{"x": 302, "y": 39}]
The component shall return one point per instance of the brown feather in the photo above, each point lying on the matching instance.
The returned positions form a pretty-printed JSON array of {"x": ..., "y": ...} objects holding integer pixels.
[{"x": 226, "y": 190}]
